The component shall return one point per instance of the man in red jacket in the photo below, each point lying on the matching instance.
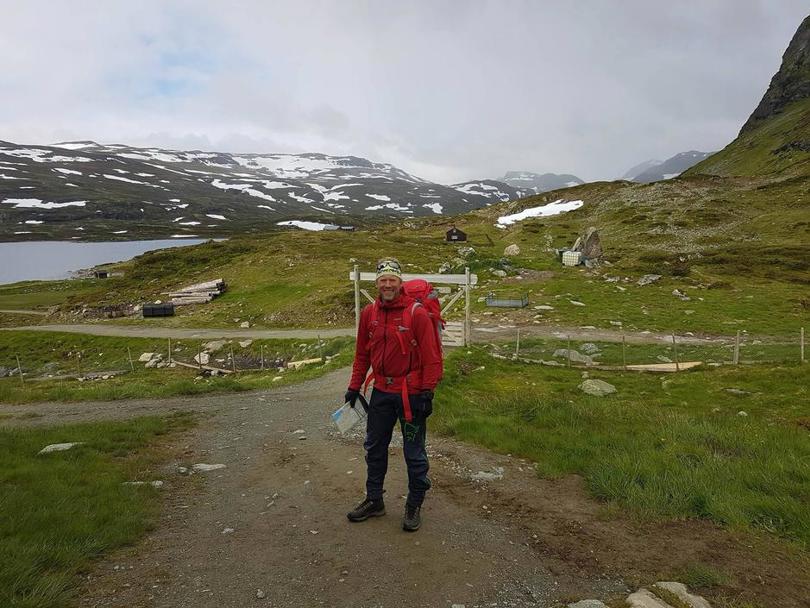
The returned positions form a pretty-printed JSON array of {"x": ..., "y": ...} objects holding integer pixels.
[{"x": 396, "y": 338}]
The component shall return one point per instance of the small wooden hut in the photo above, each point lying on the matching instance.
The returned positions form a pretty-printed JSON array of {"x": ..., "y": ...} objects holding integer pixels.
[{"x": 454, "y": 235}]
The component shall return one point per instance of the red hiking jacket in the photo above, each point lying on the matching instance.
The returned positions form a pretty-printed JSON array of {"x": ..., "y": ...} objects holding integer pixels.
[{"x": 381, "y": 348}]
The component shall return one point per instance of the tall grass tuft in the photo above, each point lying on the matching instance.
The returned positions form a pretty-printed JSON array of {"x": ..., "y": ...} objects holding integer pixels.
[{"x": 62, "y": 509}]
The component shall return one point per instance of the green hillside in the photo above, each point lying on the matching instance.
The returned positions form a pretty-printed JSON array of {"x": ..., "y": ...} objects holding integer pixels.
[{"x": 778, "y": 146}]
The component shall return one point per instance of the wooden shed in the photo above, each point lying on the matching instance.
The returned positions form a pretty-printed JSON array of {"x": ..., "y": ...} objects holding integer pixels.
[{"x": 454, "y": 235}]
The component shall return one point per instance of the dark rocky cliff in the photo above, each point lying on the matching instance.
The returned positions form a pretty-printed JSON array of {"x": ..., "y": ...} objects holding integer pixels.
[{"x": 790, "y": 83}]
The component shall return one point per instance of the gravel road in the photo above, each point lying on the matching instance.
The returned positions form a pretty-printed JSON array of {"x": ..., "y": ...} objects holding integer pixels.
[{"x": 270, "y": 529}]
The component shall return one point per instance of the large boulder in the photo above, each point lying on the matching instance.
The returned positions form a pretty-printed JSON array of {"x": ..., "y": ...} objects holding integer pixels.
[
  {"x": 589, "y": 244},
  {"x": 597, "y": 388},
  {"x": 511, "y": 250}
]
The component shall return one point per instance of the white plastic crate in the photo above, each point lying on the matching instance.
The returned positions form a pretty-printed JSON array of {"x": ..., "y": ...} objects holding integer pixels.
[{"x": 571, "y": 258}]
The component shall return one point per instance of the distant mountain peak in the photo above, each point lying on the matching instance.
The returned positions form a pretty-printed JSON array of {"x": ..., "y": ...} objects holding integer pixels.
[
  {"x": 672, "y": 167},
  {"x": 536, "y": 182}
]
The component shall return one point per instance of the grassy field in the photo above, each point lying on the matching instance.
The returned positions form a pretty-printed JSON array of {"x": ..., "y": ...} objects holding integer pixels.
[
  {"x": 58, "y": 355},
  {"x": 61, "y": 510},
  {"x": 670, "y": 446},
  {"x": 739, "y": 248}
]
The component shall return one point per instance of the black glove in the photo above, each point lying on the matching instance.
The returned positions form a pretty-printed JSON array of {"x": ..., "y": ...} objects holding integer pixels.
[
  {"x": 351, "y": 397},
  {"x": 424, "y": 403}
]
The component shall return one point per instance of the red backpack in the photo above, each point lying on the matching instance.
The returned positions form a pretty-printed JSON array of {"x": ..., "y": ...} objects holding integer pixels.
[{"x": 424, "y": 293}]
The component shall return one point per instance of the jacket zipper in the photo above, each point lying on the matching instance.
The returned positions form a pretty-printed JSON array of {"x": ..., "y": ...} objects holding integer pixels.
[{"x": 385, "y": 340}]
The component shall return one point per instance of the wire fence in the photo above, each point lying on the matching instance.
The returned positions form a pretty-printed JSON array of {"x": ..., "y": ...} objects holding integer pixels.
[
  {"x": 678, "y": 353},
  {"x": 217, "y": 357}
]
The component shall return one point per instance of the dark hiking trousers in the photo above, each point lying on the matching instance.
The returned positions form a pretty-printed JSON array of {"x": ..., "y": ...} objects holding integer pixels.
[{"x": 384, "y": 410}]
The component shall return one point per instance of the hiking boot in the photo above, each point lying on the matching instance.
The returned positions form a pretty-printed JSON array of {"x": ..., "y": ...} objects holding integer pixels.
[
  {"x": 367, "y": 508},
  {"x": 412, "y": 519}
]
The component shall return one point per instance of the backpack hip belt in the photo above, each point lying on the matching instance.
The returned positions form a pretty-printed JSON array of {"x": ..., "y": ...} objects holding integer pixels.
[{"x": 390, "y": 382}]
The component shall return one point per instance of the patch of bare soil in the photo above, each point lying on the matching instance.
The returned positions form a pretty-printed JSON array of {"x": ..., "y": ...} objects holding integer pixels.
[{"x": 270, "y": 529}]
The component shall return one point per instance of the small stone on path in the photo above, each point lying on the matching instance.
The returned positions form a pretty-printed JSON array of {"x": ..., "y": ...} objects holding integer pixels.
[
  {"x": 496, "y": 473},
  {"x": 202, "y": 467},
  {"x": 644, "y": 599},
  {"x": 682, "y": 593},
  {"x": 587, "y": 604},
  {"x": 260, "y": 595}
]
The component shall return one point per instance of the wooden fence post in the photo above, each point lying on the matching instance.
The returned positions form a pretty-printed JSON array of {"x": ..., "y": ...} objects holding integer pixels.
[
  {"x": 356, "y": 297},
  {"x": 261, "y": 347},
  {"x": 79, "y": 362},
  {"x": 736, "y": 360},
  {"x": 129, "y": 356},
  {"x": 568, "y": 351},
  {"x": 675, "y": 347},
  {"x": 19, "y": 370},
  {"x": 199, "y": 355},
  {"x": 170, "y": 351},
  {"x": 624, "y": 352},
  {"x": 467, "y": 323},
  {"x": 801, "y": 342},
  {"x": 233, "y": 360},
  {"x": 517, "y": 344}
]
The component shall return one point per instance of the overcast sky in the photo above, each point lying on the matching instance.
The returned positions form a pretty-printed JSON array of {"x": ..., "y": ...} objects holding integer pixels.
[{"x": 449, "y": 91}]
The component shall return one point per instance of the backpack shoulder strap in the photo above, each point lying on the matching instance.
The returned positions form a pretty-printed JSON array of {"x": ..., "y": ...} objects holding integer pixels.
[{"x": 374, "y": 320}]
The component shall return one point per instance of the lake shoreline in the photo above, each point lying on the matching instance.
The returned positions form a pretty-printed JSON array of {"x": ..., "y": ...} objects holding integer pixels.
[{"x": 59, "y": 260}]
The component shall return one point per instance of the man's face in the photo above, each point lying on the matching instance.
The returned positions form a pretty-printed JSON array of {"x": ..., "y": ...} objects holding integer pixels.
[{"x": 389, "y": 286}]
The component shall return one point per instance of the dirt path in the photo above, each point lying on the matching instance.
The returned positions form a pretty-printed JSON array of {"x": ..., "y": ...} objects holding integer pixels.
[
  {"x": 37, "y": 313},
  {"x": 481, "y": 333},
  {"x": 515, "y": 541}
]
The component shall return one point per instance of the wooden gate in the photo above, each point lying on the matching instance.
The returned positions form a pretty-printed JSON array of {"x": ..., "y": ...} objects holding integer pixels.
[{"x": 453, "y": 334}]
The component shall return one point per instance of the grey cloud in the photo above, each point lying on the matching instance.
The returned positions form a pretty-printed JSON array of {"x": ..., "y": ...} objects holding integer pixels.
[{"x": 447, "y": 90}]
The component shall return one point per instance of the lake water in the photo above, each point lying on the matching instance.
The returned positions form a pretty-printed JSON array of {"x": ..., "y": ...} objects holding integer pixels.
[{"x": 45, "y": 260}]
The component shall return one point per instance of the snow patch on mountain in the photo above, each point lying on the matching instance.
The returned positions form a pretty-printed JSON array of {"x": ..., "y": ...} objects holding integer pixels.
[
  {"x": 555, "y": 208},
  {"x": 35, "y": 203},
  {"x": 314, "y": 226}
]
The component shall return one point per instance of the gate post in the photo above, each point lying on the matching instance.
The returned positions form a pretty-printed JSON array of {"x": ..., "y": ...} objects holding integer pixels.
[
  {"x": 356, "y": 278},
  {"x": 467, "y": 325}
]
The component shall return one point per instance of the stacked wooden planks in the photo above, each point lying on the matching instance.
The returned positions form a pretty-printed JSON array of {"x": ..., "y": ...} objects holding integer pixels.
[{"x": 201, "y": 293}]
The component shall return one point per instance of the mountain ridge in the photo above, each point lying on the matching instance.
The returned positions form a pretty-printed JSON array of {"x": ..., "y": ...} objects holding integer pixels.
[
  {"x": 89, "y": 190},
  {"x": 775, "y": 140}
]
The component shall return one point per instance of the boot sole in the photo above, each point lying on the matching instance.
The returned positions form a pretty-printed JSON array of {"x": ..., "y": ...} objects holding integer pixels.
[
  {"x": 365, "y": 517},
  {"x": 410, "y": 528}
]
